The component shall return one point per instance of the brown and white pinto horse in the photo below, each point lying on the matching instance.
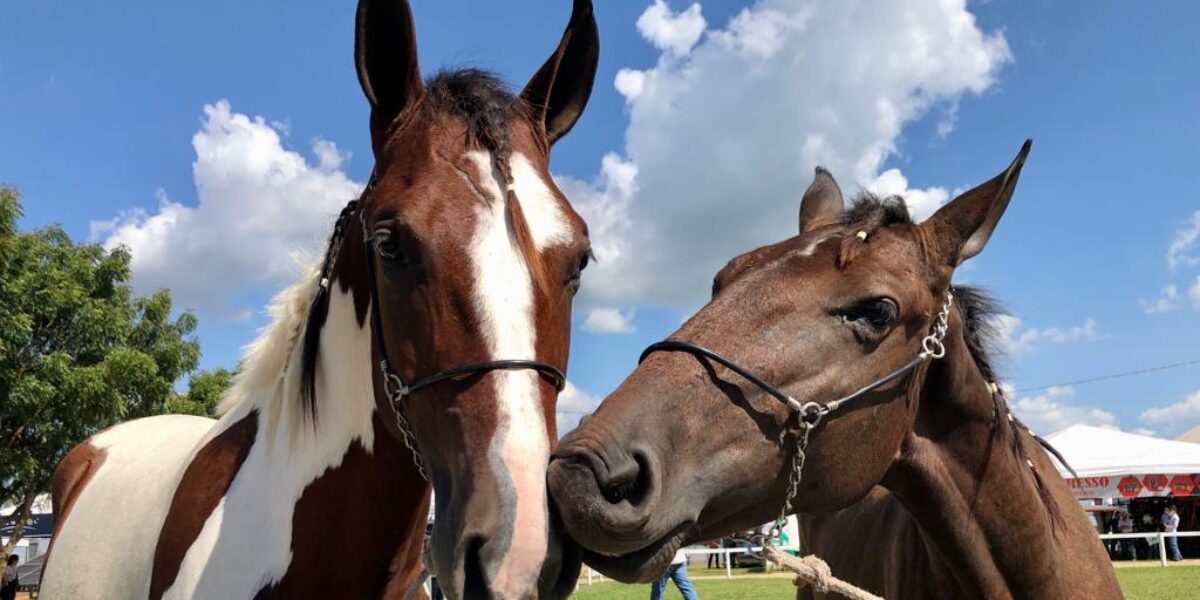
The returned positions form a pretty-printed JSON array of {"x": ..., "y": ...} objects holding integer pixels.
[
  {"x": 304, "y": 487},
  {"x": 687, "y": 450}
]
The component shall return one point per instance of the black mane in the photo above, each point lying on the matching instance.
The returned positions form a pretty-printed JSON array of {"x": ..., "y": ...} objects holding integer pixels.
[{"x": 980, "y": 311}]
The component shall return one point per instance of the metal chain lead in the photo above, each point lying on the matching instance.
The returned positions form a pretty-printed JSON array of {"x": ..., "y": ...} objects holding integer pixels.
[
  {"x": 793, "y": 483},
  {"x": 932, "y": 347},
  {"x": 396, "y": 391}
]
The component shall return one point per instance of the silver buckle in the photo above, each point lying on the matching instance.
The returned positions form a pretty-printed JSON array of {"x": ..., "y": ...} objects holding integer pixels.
[{"x": 395, "y": 387}]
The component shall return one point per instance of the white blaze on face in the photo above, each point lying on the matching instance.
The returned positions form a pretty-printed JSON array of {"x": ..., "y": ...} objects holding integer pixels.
[
  {"x": 504, "y": 306},
  {"x": 812, "y": 245}
]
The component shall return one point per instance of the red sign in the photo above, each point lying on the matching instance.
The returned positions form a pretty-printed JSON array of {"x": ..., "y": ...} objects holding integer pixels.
[
  {"x": 1182, "y": 485},
  {"x": 1155, "y": 483},
  {"x": 1090, "y": 487},
  {"x": 1129, "y": 486}
]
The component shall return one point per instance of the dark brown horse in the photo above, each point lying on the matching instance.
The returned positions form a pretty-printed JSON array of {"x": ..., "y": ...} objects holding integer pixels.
[
  {"x": 687, "y": 450},
  {"x": 429, "y": 344}
]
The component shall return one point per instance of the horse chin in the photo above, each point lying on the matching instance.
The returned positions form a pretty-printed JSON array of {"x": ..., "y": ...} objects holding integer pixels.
[
  {"x": 562, "y": 575},
  {"x": 641, "y": 566}
]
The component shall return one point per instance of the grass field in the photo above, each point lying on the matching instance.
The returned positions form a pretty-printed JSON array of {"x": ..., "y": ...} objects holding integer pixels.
[{"x": 1150, "y": 583}]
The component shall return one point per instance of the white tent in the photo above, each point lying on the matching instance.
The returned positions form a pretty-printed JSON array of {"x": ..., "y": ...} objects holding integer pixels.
[{"x": 1113, "y": 463}]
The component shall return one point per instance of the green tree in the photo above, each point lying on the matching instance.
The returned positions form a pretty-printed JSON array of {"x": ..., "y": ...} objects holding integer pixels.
[
  {"x": 78, "y": 352},
  {"x": 205, "y": 390}
]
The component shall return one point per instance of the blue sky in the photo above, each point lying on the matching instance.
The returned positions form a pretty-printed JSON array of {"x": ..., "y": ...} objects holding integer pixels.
[{"x": 700, "y": 114}]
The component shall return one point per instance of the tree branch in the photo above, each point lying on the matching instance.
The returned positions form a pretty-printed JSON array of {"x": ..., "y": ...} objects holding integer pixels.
[{"x": 24, "y": 513}]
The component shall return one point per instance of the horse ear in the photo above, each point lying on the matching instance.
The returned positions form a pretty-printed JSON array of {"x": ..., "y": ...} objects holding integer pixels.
[
  {"x": 822, "y": 203},
  {"x": 385, "y": 56},
  {"x": 966, "y": 223},
  {"x": 560, "y": 89}
]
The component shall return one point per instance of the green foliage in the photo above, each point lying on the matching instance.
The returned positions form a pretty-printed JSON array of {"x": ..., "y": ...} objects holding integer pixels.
[
  {"x": 205, "y": 390},
  {"x": 78, "y": 352}
]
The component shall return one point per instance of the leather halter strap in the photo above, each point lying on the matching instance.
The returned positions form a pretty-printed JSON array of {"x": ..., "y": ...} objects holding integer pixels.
[
  {"x": 394, "y": 385},
  {"x": 792, "y": 403},
  {"x": 811, "y": 413}
]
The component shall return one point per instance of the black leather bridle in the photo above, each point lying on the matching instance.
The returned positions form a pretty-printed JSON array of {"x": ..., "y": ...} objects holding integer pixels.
[
  {"x": 394, "y": 386},
  {"x": 810, "y": 414},
  {"x": 397, "y": 388}
]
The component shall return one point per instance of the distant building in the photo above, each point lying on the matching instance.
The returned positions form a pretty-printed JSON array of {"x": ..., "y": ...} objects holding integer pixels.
[
  {"x": 1192, "y": 435},
  {"x": 35, "y": 540}
]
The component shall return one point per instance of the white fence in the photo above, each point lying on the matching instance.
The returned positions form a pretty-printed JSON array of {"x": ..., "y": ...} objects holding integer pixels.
[
  {"x": 1162, "y": 537},
  {"x": 591, "y": 576}
]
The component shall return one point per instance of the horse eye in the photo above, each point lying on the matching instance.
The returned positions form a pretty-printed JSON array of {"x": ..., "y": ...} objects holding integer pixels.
[
  {"x": 388, "y": 247},
  {"x": 585, "y": 260},
  {"x": 577, "y": 274},
  {"x": 877, "y": 313}
]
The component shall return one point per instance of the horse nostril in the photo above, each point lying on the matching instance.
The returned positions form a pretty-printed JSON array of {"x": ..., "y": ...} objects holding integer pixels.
[
  {"x": 474, "y": 581},
  {"x": 613, "y": 493},
  {"x": 629, "y": 483}
]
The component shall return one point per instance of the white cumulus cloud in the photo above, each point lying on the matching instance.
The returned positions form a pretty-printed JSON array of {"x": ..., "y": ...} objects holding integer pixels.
[
  {"x": 258, "y": 204},
  {"x": 1194, "y": 293},
  {"x": 609, "y": 320},
  {"x": 573, "y": 404},
  {"x": 674, "y": 32},
  {"x": 1015, "y": 339},
  {"x": 1167, "y": 301},
  {"x": 725, "y": 129},
  {"x": 1182, "y": 244},
  {"x": 1175, "y": 417},
  {"x": 1053, "y": 410}
]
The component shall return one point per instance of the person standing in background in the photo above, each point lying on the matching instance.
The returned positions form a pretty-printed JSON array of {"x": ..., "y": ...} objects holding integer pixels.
[
  {"x": 714, "y": 557},
  {"x": 677, "y": 572},
  {"x": 1125, "y": 525},
  {"x": 9, "y": 581},
  {"x": 1170, "y": 524}
]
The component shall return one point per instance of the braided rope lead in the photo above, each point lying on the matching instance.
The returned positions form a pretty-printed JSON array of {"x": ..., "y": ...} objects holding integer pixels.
[{"x": 813, "y": 571}]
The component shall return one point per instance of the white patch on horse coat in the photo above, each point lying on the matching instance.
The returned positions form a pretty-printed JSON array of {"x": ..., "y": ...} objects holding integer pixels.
[
  {"x": 105, "y": 547},
  {"x": 543, "y": 211},
  {"x": 812, "y": 246},
  {"x": 246, "y": 542},
  {"x": 504, "y": 306}
]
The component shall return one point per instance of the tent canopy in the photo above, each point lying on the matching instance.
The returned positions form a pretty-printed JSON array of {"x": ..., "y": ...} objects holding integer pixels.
[{"x": 1095, "y": 452}]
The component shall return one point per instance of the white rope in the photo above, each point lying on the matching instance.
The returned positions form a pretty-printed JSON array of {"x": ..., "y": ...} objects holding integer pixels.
[{"x": 811, "y": 570}]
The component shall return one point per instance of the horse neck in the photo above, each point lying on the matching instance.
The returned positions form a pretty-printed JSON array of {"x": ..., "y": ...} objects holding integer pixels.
[
  {"x": 339, "y": 464},
  {"x": 969, "y": 477}
]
